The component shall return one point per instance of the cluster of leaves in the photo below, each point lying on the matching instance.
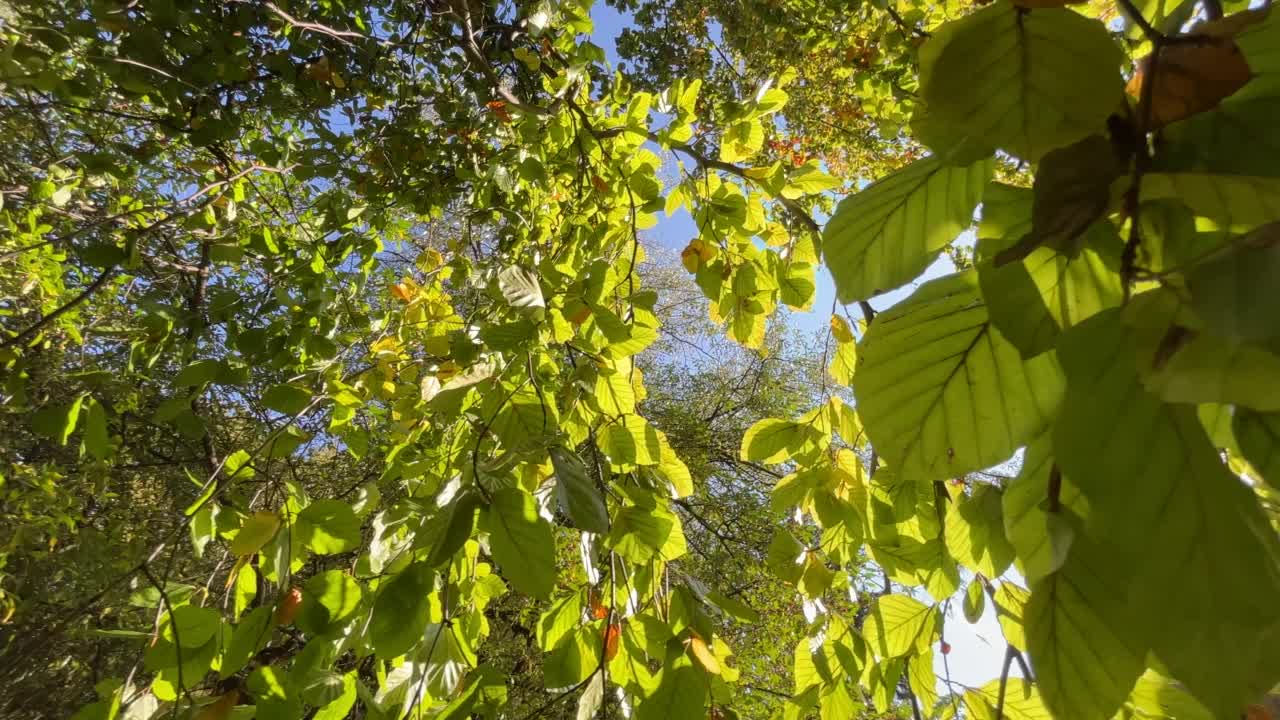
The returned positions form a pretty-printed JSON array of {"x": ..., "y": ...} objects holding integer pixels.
[
  {"x": 854, "y": 64},
  {"x": 366, "y": 283},
  {"x": 1100, "y": 333}
]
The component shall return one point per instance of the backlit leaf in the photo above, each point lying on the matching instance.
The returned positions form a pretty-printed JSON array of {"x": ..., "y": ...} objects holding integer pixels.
[
  {"x": 941, "y": 392},
  {"x": 887, "y": 234},
  {"x": 1027, "y": 81},
  {"x": 522, "y": 542}
]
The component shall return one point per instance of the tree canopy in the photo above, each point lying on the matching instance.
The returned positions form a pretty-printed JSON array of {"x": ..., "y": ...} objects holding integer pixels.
[{"x": 341, "y": 376}]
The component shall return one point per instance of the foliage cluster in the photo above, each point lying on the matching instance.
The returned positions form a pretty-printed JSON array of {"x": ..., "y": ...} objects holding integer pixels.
[{"x": 338, "y": 381}]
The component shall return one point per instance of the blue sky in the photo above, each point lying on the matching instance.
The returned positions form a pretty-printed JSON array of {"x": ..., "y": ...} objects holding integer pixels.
[{"x": 977, "y": 650}]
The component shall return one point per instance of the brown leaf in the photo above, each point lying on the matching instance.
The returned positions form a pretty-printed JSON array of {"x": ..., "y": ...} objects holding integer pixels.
[
  {"x": 1072, "y": 190},
  {"x": 1191, "y": 77}
]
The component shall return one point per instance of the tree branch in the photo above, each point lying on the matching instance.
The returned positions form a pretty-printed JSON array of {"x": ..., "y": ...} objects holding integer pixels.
[
  {"x": 1004, "y": 681},
  {"x": 88, "y": 292}
]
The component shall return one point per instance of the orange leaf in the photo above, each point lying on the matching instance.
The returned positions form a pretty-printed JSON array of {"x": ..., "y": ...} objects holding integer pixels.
[
  {"x": 580, "y": 314},
  {"x": 287, "y": 610},
  {"x": 499, "y": 108},
  {"x": 611, "y": 634},
  {"x": 402, "y": 291},
  {"x": 598, "y": 610}
]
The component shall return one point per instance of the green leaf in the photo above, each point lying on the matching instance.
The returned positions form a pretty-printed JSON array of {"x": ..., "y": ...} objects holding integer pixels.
[
  {"x": 1006, "y": 218},
  {"x": 577, "y": 494},
  {"x": 941, "y": 392},
  {"x": 273, "y": 694},
  {"x": 638, "y": 533},
  {"x": 1227, "y": 290},
  {"x": 614, "y": 393},
  {"x": 287, "y": 399},
  {"x": 238, "y": 465},
  {"x": 1034, "y": 299},
  {"x": 975, "y": 532},
  {"x": 843, "y": 362},
  {"x": 190, "y": 626},
  {"x": 1236, "y": 138},
  {"x": 1021, "y": 701},
  {"x": 329, "y": 527},
  {"x": 836, "y": 703},
  {"x": 1158, "y": 696},
  {"x": 1258, "y": 43},
  {"x": 741, "y": 141},
  {"x": 575, "y": 658},
  {"x": 796, "y": 285},
  {"x": 203, "y": 527},
  {"x": 1258, "y": 435},
  {"x": 786, "y": 556},
  {"x": 816, "y": 578},
  {"x": 1010, "y": 601},
  {"x": 1202, "y": 553},
  {"x": 681, "y": 693},
  {"x": 887, "y": 234},
  {"x": 255, "y": 532},
  {"x": 733, "y": 607},
  {"x": 1245, "y": 200},
  {"x": 1040, "y": 538},
  {"x": 1080, "y": 635},
  {"x": 808, "y": 180},
  {"x": 250, "y": 636},
  {"x": 1028, "y": 82},
  {"x": 773, "y": 441},
  {"x": 522, "y": 542},
  {"x": 974, "y": 602},
  {"x": 631, "y": 441},
  {"x": 462, "y": 510},
  {"x": 97, "y": 438},
  {"x": 57, "y": 422},
  {"x": 921, "y": 677},
  {"x": 328, "y": 600},
  {"x": 401, "y": 611},
  {"x": 198, "y": 373},
  {"x": 1182, "y": 366},
  {"x": 340, "y": 706},
  {"x": 899, "y": 624}
]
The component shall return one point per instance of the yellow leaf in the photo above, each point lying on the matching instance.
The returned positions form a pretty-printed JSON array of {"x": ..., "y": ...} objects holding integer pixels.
[
  {"x": 703, "y": 654},
  {"x": 840, "y": 329},
  {"x": 430, "y": 260}
]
